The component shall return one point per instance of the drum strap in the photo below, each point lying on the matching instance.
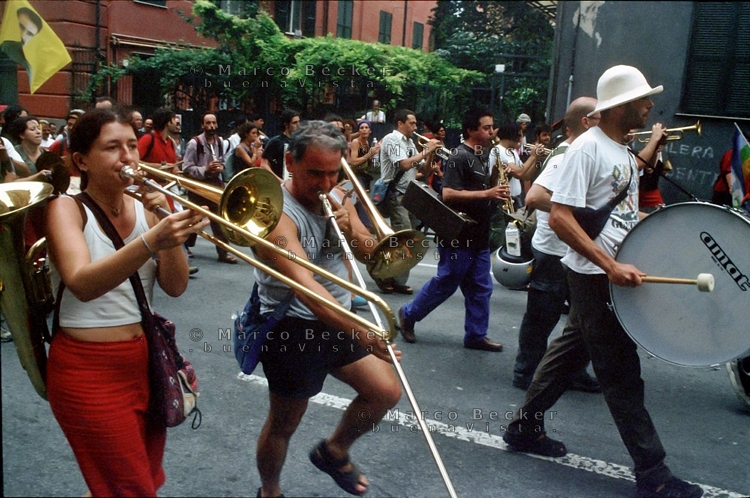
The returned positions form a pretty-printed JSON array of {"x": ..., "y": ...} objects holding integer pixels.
[{"x": 592, "y": 220}]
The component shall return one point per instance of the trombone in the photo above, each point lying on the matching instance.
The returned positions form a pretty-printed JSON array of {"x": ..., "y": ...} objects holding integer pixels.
[
  {"x": 238, "y": 200},
  {"x": 399, "y": 371},
  {"x": 672, "y": 133},
  {"x": 250, "y": 208},
  {"x": 442, "y": 151},
  {"x": 396, "y": 252}
]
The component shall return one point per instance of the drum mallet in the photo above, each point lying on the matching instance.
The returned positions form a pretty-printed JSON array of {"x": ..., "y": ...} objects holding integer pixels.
[{"x": 705, "y": 281}]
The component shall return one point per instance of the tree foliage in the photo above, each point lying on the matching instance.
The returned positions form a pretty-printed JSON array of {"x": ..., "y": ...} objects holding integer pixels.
[
  {"x": 478, "y": 34},
  {"x": 255, "y": 65}
]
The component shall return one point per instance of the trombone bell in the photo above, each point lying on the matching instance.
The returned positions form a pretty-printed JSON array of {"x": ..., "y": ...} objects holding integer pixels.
[
  {"x": 251, "y": 200},
  {"x": 396, "y": 252}
]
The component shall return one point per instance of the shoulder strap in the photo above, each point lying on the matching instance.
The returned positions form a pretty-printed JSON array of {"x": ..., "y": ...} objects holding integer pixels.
[
  {"x": 111, "y": 232},
  {"x": 395, "y": 180},
  {"x": 61, "y": 287},
  {"x": 281, "y": 309},
  {"x": 198, "y": 146},
  {"x": 150, "y": 145},
  {"x": 622, "y": 194}
]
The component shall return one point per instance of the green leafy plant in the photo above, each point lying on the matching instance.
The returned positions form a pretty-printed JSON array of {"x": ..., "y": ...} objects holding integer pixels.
[{"x": 256, "y": 64}]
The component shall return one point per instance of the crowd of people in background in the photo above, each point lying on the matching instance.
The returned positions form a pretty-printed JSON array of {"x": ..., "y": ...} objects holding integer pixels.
[{"x": 304, "y": 156}]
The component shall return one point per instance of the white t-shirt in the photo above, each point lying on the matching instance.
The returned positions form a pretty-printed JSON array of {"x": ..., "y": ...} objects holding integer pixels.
[
  {"x": 232, "y": 143},
  {"x": 12, "y": 152},
  {"x": 374, "y": 118},
  {"x": 507, "y": 156},
  {"x": 544, "y": 239},
  {"x": 594, "y": 170}
]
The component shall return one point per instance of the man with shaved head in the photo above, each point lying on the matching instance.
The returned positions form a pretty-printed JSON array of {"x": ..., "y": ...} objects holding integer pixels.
[{"x": 548, "y": 287}]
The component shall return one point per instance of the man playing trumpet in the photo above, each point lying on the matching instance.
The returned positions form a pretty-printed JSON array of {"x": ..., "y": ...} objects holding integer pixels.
[{"x": 312, "y": 341}]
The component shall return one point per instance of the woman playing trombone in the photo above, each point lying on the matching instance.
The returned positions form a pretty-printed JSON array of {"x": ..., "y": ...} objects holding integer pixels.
[{"x": 97, "y": 377}]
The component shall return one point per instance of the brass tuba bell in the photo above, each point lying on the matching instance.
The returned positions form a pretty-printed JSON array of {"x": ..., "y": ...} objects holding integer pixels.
[{"x": 25, "y": 315}]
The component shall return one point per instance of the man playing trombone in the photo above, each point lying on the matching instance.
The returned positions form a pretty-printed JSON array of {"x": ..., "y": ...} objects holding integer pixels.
[{"x": 312, "y": 340}]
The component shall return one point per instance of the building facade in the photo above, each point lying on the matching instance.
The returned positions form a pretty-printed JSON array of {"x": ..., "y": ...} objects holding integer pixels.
[
  {"x": 105, "y": 31},
  {"x": 395, "y": 22},
  {"x": 113, "y": 31},
  {"x": 699, "y": 51}
]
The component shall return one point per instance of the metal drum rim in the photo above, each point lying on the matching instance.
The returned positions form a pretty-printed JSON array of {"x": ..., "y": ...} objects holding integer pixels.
[{"x": 731, "y": 210}]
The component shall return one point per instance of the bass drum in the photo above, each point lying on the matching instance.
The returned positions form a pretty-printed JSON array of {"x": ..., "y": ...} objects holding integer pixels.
[{"x": 677, "y": 323}]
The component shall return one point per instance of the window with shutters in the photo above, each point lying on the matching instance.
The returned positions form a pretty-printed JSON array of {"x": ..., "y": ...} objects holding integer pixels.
[
  {"x": 344, "y": 20},
  {"x": 295, "y": 17},
  {"x": 717, "y": 74},
  {"x": 417, "y": 36},
  {"x": 384, "y": 32}
]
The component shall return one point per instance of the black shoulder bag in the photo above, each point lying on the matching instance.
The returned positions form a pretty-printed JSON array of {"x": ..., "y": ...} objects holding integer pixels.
[{"x": 592, "y": 220}]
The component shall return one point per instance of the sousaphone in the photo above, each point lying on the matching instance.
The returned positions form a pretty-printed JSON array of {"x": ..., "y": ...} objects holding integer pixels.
[{"x": 24, "y": 297}]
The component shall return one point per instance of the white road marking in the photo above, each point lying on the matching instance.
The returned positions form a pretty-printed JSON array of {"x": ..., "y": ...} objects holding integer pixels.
[{"x": 579, "y": 462}]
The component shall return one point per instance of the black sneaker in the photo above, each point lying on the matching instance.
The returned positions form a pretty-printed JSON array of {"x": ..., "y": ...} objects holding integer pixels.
[
  {"x": 538, "y": 445},
  {"x": 585, "y": 383},
  {"x": 673, "y": 488}
]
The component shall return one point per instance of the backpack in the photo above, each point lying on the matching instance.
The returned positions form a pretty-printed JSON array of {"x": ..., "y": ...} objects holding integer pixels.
[
  {"x": 381, "y": 191},
  {"x": 150, "y": 146}
]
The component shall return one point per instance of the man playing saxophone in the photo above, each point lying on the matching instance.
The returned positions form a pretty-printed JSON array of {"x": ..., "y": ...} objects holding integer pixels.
[{"x": 505, "y": 156}]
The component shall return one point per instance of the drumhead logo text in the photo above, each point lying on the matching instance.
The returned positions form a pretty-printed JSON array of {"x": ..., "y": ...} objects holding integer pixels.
[{"x": 722, "y": 259}]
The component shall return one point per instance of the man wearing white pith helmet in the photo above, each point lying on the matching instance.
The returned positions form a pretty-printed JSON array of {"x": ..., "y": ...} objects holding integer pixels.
[{"x": 598, "y": 171}]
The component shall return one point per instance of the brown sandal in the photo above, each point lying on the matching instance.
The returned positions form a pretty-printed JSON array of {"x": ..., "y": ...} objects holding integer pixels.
[
  {"x": 403, "y": 289},
  {"x": 228, "y": 259},
  {"x": 324, "y": 461}
]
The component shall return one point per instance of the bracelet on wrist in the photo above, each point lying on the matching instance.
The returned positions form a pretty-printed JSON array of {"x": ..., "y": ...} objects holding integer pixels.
[{"x": 148, "y": 247}]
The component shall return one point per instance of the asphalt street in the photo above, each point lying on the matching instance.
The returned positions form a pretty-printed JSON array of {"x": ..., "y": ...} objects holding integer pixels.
[{"x": 466, "y": 398}]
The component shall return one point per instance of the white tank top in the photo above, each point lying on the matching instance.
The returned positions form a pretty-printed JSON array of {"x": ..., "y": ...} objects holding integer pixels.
[{"x": 118, "y": 306}]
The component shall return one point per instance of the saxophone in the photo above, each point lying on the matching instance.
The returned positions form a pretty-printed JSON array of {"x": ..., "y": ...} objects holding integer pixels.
[{"x": 499, "y": 178}]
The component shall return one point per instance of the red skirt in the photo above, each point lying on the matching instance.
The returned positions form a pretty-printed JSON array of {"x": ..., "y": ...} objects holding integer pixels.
[{"x": 99, "y": 392}]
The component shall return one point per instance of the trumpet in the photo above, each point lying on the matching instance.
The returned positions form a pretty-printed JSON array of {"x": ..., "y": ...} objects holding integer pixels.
[
  {"x": 672, "y": 133},
  {"x": 244, "y": 224},
  {"x": 541, "y": 150},
  {"x": 399, "y": 371},
  {"x": 442, "y": 152}
]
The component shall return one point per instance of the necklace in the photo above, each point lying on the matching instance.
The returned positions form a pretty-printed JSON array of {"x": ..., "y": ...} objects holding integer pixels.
[{"x": 115, "y": 211}]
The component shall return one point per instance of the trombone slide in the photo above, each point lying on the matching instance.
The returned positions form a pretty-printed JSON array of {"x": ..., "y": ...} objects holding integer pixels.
[
  {"x": 399, "y": 371},
  {"x": 258, "y": 241}
]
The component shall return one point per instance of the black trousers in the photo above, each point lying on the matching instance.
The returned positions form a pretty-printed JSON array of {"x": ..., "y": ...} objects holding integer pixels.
[{"x": 593, "y": 330}]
